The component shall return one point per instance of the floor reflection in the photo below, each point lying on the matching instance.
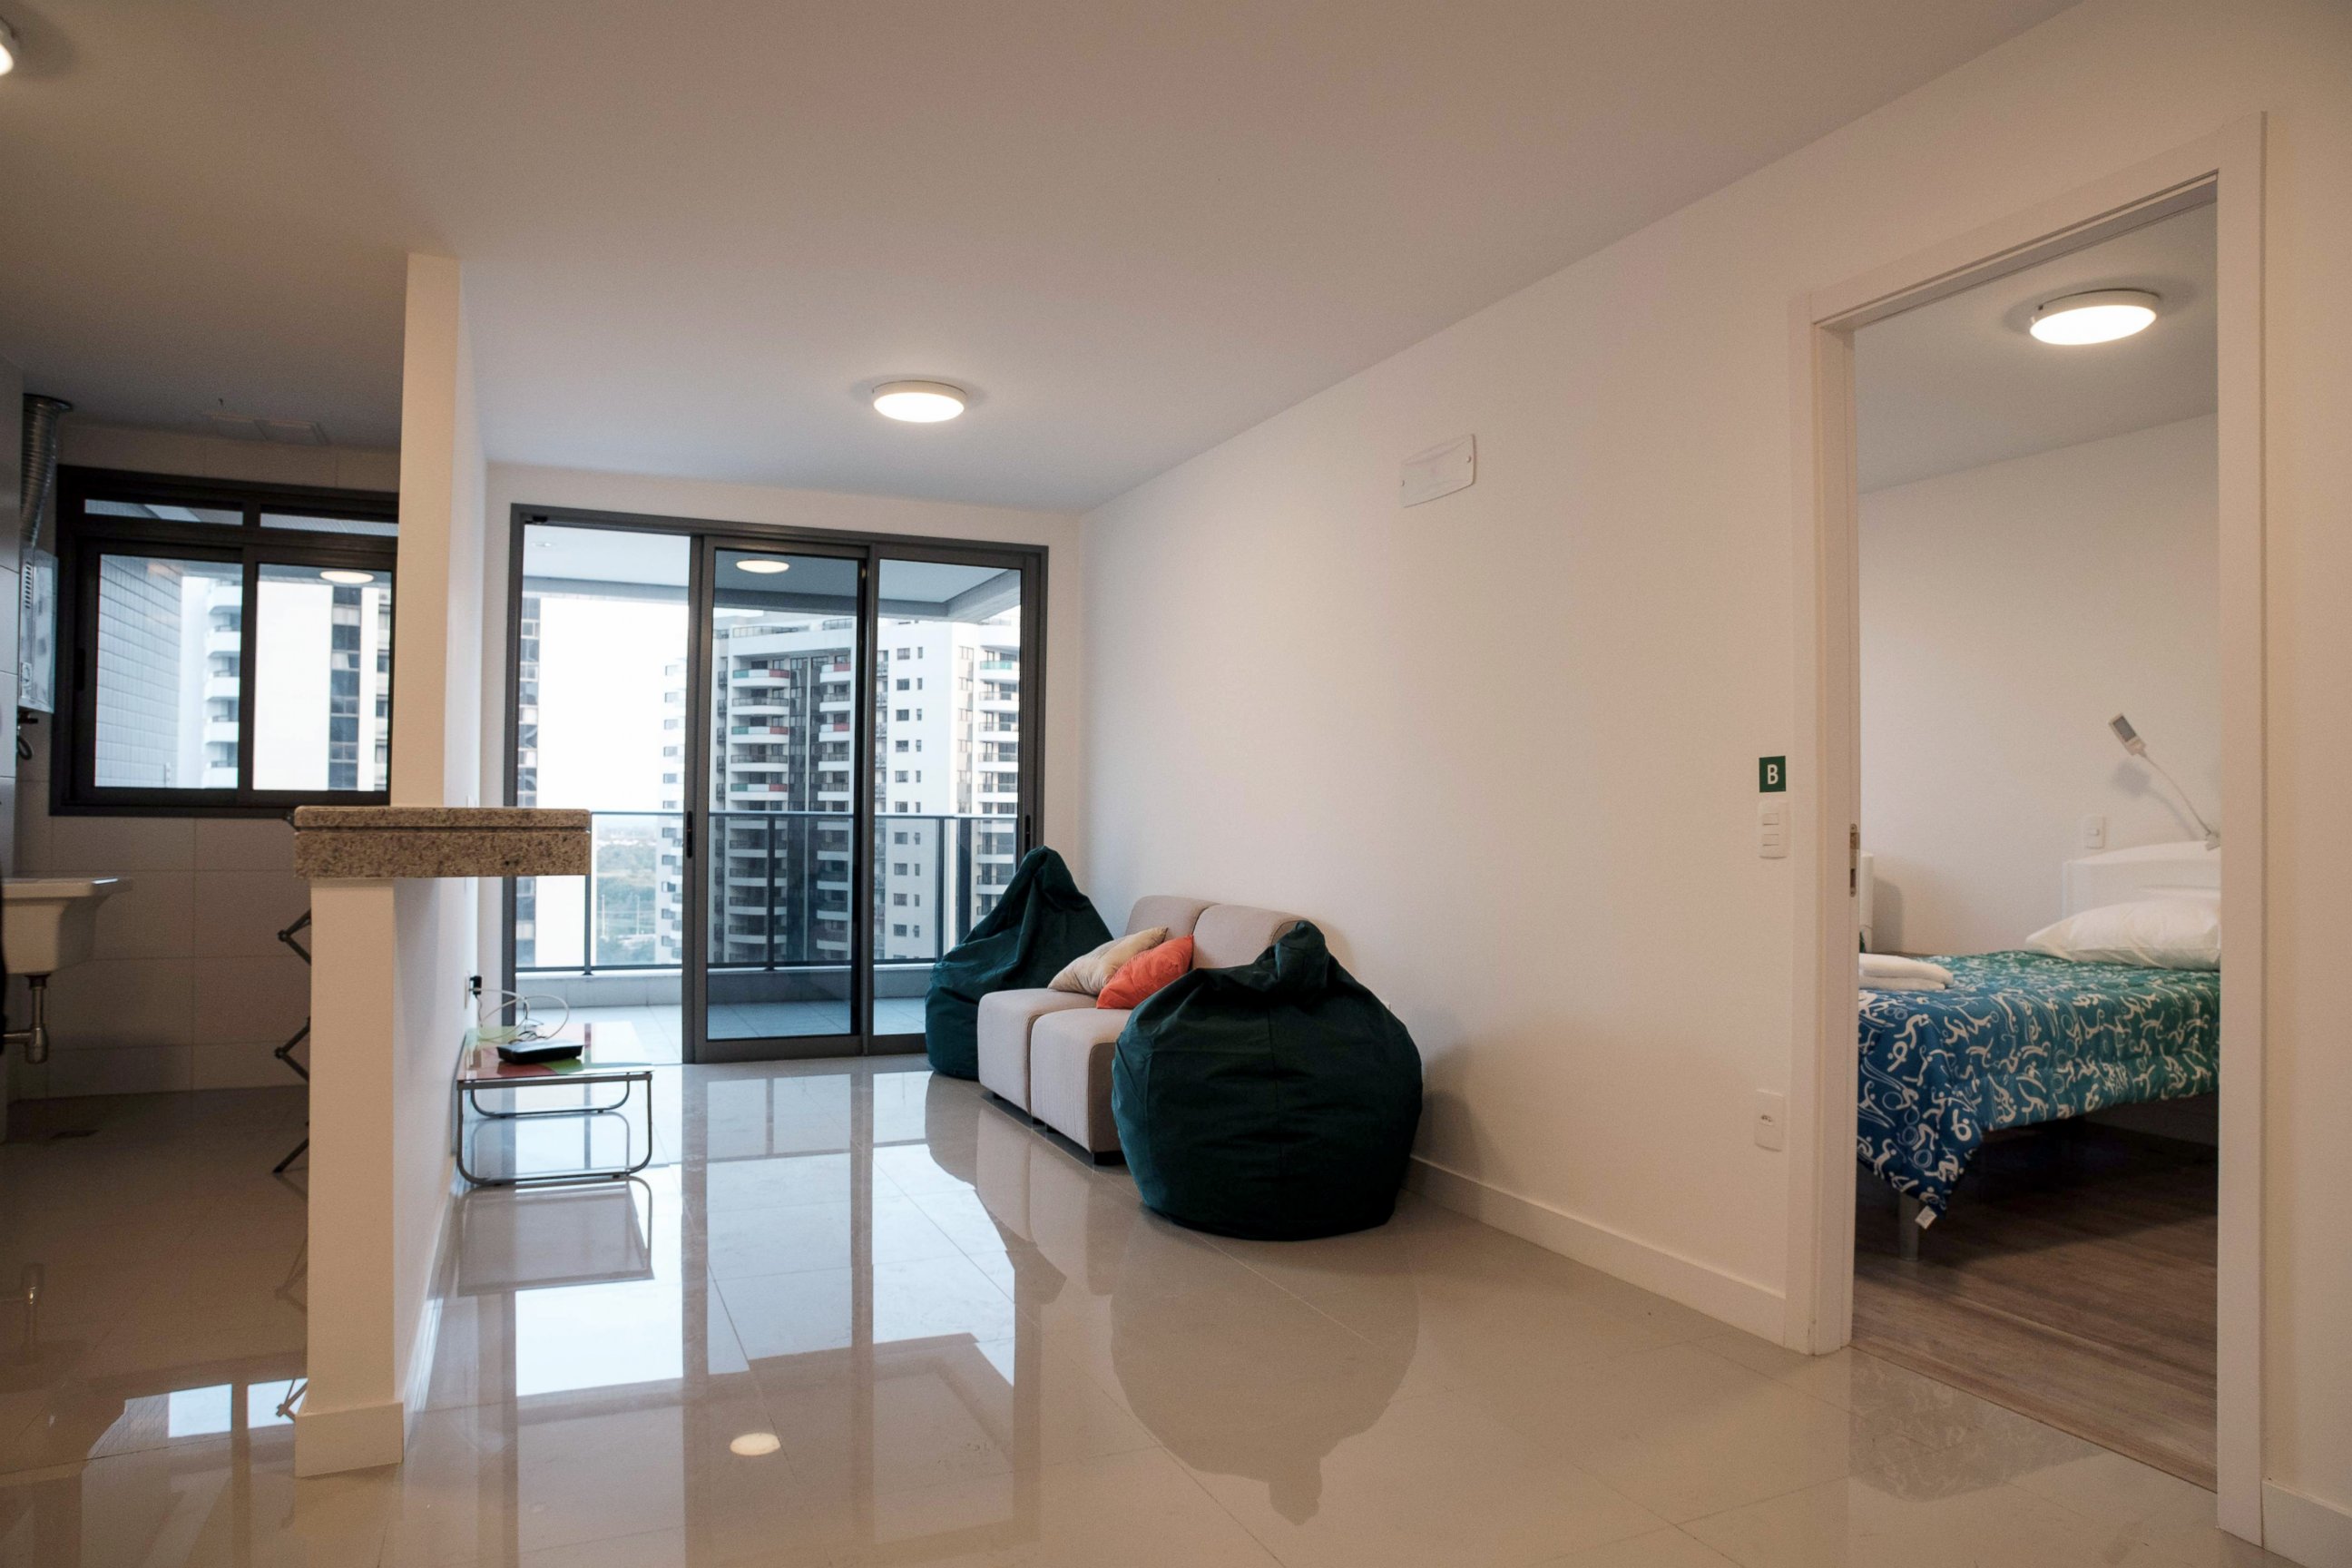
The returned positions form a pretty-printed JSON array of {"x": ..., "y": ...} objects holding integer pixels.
[{"x": 855, "y": 1313}]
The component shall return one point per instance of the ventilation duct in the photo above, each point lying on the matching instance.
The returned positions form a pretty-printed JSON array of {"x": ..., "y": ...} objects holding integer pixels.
[
  {"x": 36, "y": 620},
  {"x": 42, "y": 417}
]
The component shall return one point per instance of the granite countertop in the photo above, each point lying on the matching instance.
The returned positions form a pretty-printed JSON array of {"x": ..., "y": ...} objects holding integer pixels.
[
  {"x": 388, "y": 818},
  {"x": 381, "y": 842}
]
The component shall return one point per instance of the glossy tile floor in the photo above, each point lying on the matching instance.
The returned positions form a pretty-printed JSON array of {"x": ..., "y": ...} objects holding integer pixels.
[{"x": 855, "y": 1314}]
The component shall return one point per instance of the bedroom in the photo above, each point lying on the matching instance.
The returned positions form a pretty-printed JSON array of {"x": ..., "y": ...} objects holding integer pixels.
[{"x": 2040, "y": 782}]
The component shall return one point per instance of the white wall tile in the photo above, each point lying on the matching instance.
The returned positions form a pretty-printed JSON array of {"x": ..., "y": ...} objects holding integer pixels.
[
  {"x": 37, "y": 734},
  {"x": 152, "y": 919},
  {"x": 32, "y": 855},
  {"x": 246, "y": 1064},
  {"x": 244, "y": 844},
  {"x": 25, "y": 1082},
  {"x": 240, "y": 913},
  {"x": 250, "y": 998},
  {"x": 135, "y": 1070},
  {"x": 114, "y": 1003},
  {"x": 119, "y": 844}
]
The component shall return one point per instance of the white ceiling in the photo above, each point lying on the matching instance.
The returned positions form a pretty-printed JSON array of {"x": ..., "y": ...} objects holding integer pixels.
[
  {"x": 1961, "y": 383},
  {"x": 694, "y": 231}
]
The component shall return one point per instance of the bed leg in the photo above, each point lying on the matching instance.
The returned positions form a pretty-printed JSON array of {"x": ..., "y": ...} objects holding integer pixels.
[{"x": 1906, "y": 1227}]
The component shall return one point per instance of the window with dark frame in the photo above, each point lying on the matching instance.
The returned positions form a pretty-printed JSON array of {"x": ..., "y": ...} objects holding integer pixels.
[{"x": 224, "y": 648}]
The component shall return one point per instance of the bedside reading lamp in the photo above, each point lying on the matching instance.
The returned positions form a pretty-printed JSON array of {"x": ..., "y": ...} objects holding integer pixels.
[{"x": 2138, "y": 748}]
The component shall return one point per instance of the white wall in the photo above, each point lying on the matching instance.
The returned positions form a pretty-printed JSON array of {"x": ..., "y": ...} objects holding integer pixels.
[
  {"x": 515, "y": 484},
  {"x": 168, "y": 1001},
  {"x": 2008, "y": 612},
  {"x": 437, "y": 641},
  {"x": 1505, "y": 745},
  {"x": 145, "y": 450},
  {"x": 389, "y": 998}
]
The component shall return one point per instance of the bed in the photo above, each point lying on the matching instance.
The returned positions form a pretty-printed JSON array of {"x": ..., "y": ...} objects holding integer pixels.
[{"x": 2020, "y": 1038}]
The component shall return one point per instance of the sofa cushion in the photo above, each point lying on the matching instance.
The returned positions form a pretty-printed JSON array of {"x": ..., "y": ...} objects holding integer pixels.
[
  {"x": 1147, "y": 973},
  {"x": 1227, "y": 936},
  {"x": 1166, "y": 909},
  {"x": 1069, "y": 1075},
  {"x": 1005, "y": 1017},
  {"x": 1090, "y": 971}
]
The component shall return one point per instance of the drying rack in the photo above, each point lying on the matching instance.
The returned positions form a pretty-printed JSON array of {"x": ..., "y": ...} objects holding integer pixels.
[{"x": 290, "y": 936}]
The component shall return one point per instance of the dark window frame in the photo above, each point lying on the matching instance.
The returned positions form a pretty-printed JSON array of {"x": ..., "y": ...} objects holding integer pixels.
[{"x": 85, "y": 538}]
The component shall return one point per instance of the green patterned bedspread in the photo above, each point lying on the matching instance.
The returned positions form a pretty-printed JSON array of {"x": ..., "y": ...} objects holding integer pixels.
[{"x": 2018, "y": 1038}]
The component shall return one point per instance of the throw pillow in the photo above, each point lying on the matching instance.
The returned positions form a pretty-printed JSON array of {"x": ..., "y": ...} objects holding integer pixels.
[
  {"x": 1089, "y": 973},
  {"x": 1147, "y": 973}
]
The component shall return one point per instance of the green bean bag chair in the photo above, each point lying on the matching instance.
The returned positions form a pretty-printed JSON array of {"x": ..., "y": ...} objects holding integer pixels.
[
  {"x": 1041, "y": 922},
  {"x": 1276, "y": 1100}
]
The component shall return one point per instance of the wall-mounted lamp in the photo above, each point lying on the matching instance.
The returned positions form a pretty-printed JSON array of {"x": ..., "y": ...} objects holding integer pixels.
[
  {"x": 9, "y": 47},
  {"x": 2138, "y": 748}
]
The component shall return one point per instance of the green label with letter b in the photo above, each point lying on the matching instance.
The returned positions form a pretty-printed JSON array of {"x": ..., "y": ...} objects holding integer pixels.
[{"x": 1772, "y": 775}]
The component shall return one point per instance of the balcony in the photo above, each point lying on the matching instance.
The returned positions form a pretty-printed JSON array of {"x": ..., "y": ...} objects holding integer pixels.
[{"x": 630, "y": 910}]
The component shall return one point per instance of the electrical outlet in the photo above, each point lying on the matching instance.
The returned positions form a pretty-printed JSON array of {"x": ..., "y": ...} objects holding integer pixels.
[{"x": 1771, "y": 1119}]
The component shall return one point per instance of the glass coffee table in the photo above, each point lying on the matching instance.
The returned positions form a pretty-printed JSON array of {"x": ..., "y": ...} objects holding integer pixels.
[{"x": 611, "y": 1076}]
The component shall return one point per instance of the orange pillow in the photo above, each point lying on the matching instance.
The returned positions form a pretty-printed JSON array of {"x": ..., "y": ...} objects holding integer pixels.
[{"x": 1147, "y": 972}]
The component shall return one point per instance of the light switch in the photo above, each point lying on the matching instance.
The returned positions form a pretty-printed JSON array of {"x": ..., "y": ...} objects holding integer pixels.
[
  {"x": 1772, "y": 828},
  {"x": 1771, "y": 1119},
  {"x": 2094, "y": 833}
]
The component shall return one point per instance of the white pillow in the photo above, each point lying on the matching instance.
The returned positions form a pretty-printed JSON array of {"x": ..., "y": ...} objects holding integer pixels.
[
  {"x": 2154, "y": 933},
  {"x": 1089, "y": 973}
]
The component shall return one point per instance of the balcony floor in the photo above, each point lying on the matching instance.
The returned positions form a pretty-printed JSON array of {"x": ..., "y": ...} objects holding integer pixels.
[{"x": 662, "y": 1032}]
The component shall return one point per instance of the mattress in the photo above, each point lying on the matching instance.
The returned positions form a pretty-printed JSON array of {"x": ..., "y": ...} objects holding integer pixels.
[{"x": 2020, "y": 1038}]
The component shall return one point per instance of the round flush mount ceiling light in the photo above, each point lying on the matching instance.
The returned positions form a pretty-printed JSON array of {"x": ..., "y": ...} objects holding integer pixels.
[
  {"x": 2099, "y": 317},
  {"x": 9, "y": 47},
  {"x": 346, "y": 579},
  {"x": 762, "y": 565},
  {"x": 752, "y": 1444},
  {"x": 918, "y": 402}
]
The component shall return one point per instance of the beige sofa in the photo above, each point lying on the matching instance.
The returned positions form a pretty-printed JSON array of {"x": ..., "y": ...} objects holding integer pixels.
[{"x": 1049, "y": 1052}]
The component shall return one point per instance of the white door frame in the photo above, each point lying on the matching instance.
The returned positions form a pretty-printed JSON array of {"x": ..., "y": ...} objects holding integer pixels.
[{"x": 1824, "y": 780}]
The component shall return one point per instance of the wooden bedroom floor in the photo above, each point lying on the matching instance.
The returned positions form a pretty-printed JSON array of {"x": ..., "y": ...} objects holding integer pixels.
[{"x": 2072, "y": 1282}]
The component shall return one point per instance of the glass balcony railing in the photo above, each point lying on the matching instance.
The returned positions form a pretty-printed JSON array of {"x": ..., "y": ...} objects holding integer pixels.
[{"x": 779, "y": 898}]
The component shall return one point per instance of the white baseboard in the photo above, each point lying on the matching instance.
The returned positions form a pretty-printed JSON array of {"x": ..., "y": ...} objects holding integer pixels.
[
  {"x": 1742, "y": 1303},
  {"x": 328, "y": 1442},
  {"x": 2304, "y": 1529}
]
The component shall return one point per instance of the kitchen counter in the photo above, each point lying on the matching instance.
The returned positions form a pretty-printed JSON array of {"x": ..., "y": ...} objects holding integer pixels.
[{"x": 395, "y": 841}]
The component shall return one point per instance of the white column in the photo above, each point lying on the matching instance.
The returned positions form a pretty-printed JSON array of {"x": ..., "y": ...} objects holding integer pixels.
[{"x": 352, "y": 1414}]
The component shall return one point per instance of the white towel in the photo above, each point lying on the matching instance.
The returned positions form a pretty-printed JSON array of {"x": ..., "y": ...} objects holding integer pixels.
[{"x": 1885, "y": 972}]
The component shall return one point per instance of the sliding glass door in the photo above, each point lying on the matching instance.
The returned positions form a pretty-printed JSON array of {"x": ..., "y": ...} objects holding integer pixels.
[
  {"x": 948, "y": 785},
  {"x": 782, "y": 945},
  {"x": 806, "y": 753}
]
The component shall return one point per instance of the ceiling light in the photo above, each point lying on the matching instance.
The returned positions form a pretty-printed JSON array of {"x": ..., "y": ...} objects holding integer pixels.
[
  {"x": 349, "y": 579},
  {"x": 9, "y": 48},
  {"x": 918, "y": 402},
  {"x": 2099, "y": 317},
  {"x": 752, "y": 1444},
  {"x": 765, "y": 565}
]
